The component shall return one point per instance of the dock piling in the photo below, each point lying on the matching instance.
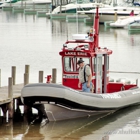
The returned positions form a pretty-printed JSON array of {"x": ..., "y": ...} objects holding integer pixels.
[
  {"x": 14, "y": 74},
  {"x": 27, "y": 67},
  {"x": 10, "y": 110},
  {"x": 26, "y": 78},
  {"x": 40, "y": 77},
  {"x": 54, "y": 75},
  {"x": 10, "y": 87},
  {"x": 26, "y": 75},
  {"x": 10, "y": 95}
]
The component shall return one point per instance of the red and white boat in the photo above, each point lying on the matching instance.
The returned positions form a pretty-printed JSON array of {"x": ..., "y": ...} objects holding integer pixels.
[{"x": 66, "y": 101}]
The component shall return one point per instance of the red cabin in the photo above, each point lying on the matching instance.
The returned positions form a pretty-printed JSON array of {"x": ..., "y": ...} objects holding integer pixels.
[
  {"x": 86, "y": 47},
  {"x": 98, "y": 59}
]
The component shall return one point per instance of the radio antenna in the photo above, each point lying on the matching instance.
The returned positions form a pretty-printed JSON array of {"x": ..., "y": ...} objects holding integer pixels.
[{"x": 76, "y": 16}]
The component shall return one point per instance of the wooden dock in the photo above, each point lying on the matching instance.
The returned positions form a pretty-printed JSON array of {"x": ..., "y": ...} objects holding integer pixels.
[
  {"x": 9, "y": 98},
  {"x": 10, "y": 95}
]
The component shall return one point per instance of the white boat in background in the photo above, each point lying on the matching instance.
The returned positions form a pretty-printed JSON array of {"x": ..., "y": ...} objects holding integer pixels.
[
  {"x": 73, "y": 7},
  {"x": 66, "y": 101},
  {"x": 110, "y": 14},
  {"x": 26, "y": 3},
  {"x": 41, "y": 1},
  {"x": 84, "y": 5},
  {"x": 8, "y": 1},
  {"x": 125, "y": 21}
]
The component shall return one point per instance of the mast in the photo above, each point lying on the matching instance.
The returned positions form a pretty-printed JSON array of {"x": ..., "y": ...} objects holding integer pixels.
[
  {"x": 95, "y": 33},
  {"x": 96, "y": 29}
]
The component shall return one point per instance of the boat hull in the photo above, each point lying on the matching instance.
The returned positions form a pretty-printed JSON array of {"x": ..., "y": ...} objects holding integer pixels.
[
  {"x": 57, "y": 112},
  {"x": 109, "y": 17},
  {"x": 66, "y": 103},
  {"x": 111, "y": 14}
]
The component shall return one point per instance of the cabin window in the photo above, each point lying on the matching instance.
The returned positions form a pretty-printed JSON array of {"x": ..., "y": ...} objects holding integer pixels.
[
  {"x": 70, "y": 63},
  {"x": 67, "y": 64}
]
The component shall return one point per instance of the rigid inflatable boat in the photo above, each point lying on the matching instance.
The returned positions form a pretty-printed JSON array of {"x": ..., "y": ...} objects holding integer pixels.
[
  {"x": 66, "y": 101},
  {"x": 82, "y": 103}
]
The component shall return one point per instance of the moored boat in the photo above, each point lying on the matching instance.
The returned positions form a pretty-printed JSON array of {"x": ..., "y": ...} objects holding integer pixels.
[
  {"x": 72, "y": 8},
  {"x": 66, "y": 101},
  {"x": 25, "y": 3},
  {"x": 112, "y": 13},
  {"x": 8, "y": 1},
  {"x": 125, "y": 21}
]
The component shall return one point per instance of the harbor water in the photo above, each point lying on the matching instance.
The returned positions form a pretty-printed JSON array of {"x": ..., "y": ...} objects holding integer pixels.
[{"x": 36, "y": 41}]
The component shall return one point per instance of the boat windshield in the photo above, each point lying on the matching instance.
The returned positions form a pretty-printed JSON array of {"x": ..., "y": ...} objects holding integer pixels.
[{"x": 70, "y": 63}]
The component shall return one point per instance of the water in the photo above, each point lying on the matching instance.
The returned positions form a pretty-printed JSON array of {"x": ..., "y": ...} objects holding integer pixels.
[
  {"x": 37, "y": 42},
  {"x": 124, "y": 124}
]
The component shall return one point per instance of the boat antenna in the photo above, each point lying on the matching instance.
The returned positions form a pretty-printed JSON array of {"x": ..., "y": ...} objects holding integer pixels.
[
  {"x": 96, "y": 29},
  {"x": 77, "y": 16},
  {"x": 95, "y": 32},
  {"x": 67, "y": 30}
]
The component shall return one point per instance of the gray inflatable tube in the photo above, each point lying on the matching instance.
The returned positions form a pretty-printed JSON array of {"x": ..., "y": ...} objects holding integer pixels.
[{"x": 68, "y": 97}]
